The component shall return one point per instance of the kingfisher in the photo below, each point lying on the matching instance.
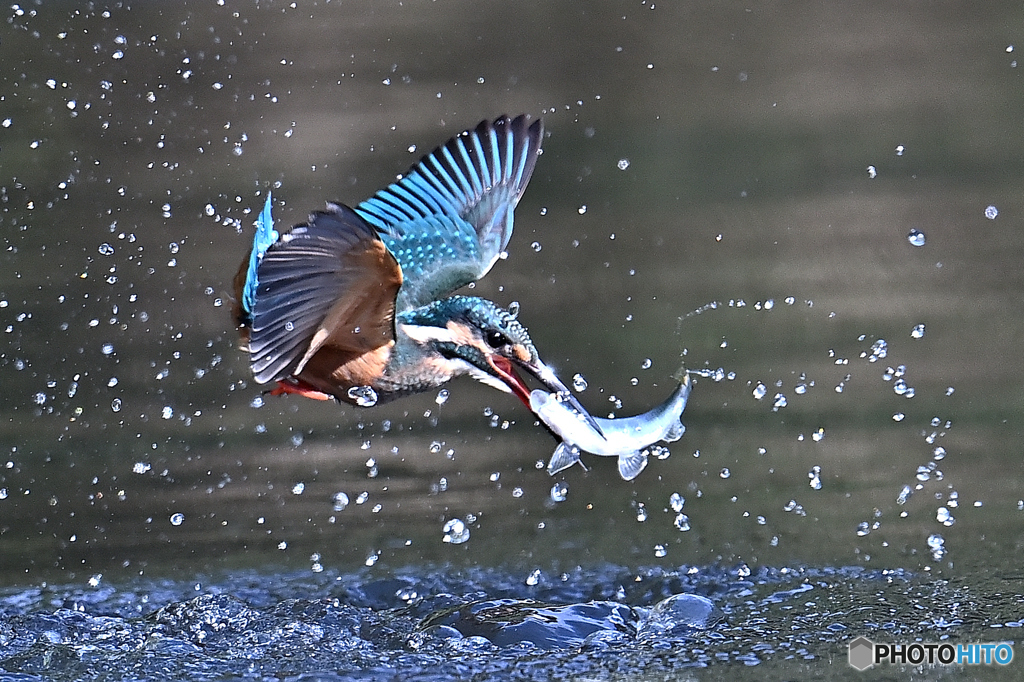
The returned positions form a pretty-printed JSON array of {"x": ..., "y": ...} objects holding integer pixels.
[{"x": 359, "y": 305}]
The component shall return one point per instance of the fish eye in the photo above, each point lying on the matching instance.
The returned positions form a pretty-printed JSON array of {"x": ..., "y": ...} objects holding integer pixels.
[{"x": 496, "y": 339}]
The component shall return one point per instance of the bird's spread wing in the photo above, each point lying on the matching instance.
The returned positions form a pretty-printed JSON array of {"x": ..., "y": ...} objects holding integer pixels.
[
  {"x": 450, "y": 217},
  {"x": 329, "y": 283}
]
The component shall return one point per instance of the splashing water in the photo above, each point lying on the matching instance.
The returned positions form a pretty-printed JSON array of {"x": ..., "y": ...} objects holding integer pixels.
[
  {"x": 364, "y": 396},
  {"x": 455, "y": 532}
]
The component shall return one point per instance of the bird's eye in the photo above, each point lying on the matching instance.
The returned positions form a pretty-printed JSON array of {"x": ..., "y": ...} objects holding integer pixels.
[{"x": 496, "y": 339}]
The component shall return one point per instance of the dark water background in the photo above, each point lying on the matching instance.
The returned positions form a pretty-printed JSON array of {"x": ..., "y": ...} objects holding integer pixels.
[{"x": 771, "y": 158}]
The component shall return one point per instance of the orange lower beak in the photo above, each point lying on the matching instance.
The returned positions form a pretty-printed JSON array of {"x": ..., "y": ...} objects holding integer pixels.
[{"x": 504, "y": 369}]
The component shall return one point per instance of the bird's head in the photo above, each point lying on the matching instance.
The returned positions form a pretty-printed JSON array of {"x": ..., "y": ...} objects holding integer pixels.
[{"x": 474, "y": 336}]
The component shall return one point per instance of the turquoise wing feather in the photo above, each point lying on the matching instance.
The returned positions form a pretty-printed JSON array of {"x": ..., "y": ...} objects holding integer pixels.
[
  {"x": 450, "y": 217},
  {"x": 266, "y": 235}
]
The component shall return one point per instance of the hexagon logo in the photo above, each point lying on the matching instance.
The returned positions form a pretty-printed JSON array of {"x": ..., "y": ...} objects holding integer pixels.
[{"x": 861, "y": 653}]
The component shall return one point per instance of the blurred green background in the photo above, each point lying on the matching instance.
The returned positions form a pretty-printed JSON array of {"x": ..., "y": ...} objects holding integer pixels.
[{"x": 771, "y": 158}]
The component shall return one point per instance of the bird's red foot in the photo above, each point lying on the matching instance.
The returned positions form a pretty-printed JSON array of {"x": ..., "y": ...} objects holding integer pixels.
[{"x": 299, "y": 387}]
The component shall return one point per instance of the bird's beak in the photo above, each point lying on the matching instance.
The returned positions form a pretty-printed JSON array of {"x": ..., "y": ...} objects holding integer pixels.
[{"x": 544, "y": 374}]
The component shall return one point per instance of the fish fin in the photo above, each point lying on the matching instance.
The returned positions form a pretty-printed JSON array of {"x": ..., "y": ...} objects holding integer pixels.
[
  {"x": 563, "y": 458},
  {"x": 675, "y": 432},
  {"x": 631, "y": 464}
]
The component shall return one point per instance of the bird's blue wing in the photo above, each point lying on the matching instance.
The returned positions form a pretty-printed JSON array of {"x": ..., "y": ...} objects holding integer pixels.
[
  {"x": 450, "y": 217},
  {"x": 329, "y": 283},
  {"x": 265, "y": 236}
]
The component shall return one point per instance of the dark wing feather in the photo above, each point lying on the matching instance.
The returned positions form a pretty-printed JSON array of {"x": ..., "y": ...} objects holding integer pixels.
[
  {"x": 450, "y": 217},
  {"x": 329, "y": 283}
]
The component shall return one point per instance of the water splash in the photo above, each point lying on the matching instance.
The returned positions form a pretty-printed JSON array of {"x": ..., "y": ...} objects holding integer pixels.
[
  {"x": 364, "y": 396},
  {"x": 455, "y": 532}
]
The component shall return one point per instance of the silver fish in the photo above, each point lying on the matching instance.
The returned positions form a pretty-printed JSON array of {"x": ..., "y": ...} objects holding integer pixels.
[{"x": 626, "y": 438}]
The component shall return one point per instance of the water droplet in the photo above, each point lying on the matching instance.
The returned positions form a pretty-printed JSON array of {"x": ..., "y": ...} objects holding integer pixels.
[
  {"x": 559, "y": 492},
  {"x": 115, "y": 405},
  {"x": 298, "y": 488},
  {"x": 863, "y": 528},
  {"x": 760, "y": 391},
  {"x": 917, "y": 332},
  {"x": 991, "y": 212},
  {"x": 872, "y": 173},
  {"x": 536, "y": 247},
  {"x": 442, "y": 396},
  {"x": 364, "y": 396},
  {"x": 455, "y": 532},
  {"x": 641, "y": 513},
  {"x": 579, "y": 384},
  {"x": 340, "y": 501},
  {"x": 167, "y": 412},
  {"x": 660, "y": 551},
  {"x": 107, "y": 349},
  {"x": 780, "y": 402},
  {"x": 815, "y": 475},
  {"x": 177, "y": 519},
  {"x": 141, "y": 467},
  {"x": 646, "y": 364},
  {"x": 898, "y": 417},
  {"x": 818, "y": 435},
  {"x": 534, "y": 578},
  {"x": 682, "y": 522},
  {"x": 676, "y": 501},
  {"x": 106, "y": 249},
  {"x": 435, "y": 447},
  {"x": 916, "y": 238},
  {"x": 623, "y": 164},
  {"x": 659, "y": 452},
  {"x": 943, "y": 516},
  {"x": 582, "y": 209}
]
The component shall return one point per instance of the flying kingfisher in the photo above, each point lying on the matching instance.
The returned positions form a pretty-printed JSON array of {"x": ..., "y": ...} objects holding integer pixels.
[{"x": 358, "y": 303}]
